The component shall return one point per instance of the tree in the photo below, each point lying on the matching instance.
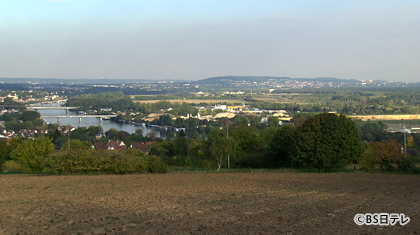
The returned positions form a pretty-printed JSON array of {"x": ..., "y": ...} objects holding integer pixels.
[
  {"x": 219, "y": 146},
  {"x": 32, "y": 153},
  {"x": 154, "y": 149},
  {"x": 59, "y": 143},
  {"x": 139, "y": 132},
  {"x": 38, "y": 122},
  {"x": 246, "y": 140},
  {"x": 196, "y": 154},
  {"x": 267, "y": 135},
  {"x": 122, "y": 134},
  {"x": 13, "y": 125},
  {"x": 3, "y": 154},
  {"x": 112, "y": 133},
  {"x": 324, "y": 140},
  {"x": 28, "y": 125},
  {"x": 30, "y": 115},
  {"x": 382, "y": 154},
  {"x": 281, "y": 146},
  {"x": 94, "y": 130},
  {"x": 273, "y": 121},
  {"x": 181, "y": 145},
  {"x": 167, "y": 148}
]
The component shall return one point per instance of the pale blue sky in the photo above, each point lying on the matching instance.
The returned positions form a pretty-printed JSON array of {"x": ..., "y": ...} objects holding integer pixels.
[{"x": 194, "y": 40}]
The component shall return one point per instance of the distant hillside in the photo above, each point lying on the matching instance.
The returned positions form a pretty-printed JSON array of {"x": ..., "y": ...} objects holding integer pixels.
[
  {"x": 325, "y": 79},
  {"x": 236, "y": 79},
  {"x": 80, "y": 81}
]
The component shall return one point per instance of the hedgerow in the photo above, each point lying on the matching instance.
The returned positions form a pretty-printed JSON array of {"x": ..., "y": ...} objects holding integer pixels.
[{"x": 87, "y": 161}]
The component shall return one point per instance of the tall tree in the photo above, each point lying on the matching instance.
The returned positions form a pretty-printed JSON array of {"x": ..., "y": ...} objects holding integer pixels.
[
  {"x": 325, "y": 139},
  {"x": 181, "y": 144},
  {"x": 219, "y": 146},
  {"x": 30, "y": 115},
  {"x": 281, "y": 146}
]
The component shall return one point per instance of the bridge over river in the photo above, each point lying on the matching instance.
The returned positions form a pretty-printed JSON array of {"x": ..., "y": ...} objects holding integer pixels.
[
  {"x": 101, "y": 117},
  {"x": 67, "y": 108}
]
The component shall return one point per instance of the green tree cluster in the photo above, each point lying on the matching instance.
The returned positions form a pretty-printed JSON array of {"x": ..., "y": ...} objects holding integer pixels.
[
  {"x": 326, "y": 139},
  {"x": 386, "y": 155},
  {"x": 38, "y": 155},
  {"x": 32, "y": 153},
  {"x": 27, "y": 119}
]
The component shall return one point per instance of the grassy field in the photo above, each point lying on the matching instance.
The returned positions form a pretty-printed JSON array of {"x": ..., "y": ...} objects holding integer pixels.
[
  {"x": 206, "y": 203},
  {"x": 400, "y": 123}
]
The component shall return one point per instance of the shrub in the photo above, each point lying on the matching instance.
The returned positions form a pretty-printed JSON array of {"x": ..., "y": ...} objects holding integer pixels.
[
  {"x": 383, "y": 155},
  {"x": 12, "y": 166},
  {"x": 32, "y": 153},
  {"x": 83, "y": 161},
  {"x": 254, "y": 160},
  {"x": 156, "y": 165}
]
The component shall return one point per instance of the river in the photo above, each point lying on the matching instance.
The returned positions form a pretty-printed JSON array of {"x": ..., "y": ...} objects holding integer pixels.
[{"x": 86, "y": 122}]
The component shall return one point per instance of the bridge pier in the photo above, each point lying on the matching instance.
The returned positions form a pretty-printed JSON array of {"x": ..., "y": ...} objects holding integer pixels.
[
  {"x": 100, "y": 120},
  {"x": 67, "y": 111},
  {"x": 58, "y": 121},
  {"x": 80, "y": 121}
]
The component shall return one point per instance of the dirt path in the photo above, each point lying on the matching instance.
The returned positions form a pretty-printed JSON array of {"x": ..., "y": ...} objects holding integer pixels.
[{"x": 205, "y": 203}]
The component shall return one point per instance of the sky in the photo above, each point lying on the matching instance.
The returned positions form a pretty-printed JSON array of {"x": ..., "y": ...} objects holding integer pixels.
[{"x": 195, "y": 39}]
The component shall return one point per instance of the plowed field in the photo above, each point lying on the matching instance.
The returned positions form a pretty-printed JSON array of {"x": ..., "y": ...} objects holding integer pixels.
[{"x": 206, "y": 203}]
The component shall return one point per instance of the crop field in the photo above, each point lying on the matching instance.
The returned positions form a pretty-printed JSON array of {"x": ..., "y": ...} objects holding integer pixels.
[{"x": 206, "y": 203}]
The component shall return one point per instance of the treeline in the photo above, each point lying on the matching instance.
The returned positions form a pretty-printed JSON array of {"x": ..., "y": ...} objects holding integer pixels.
[
  {"x": 22, "y": 120},
  {"x": 114, "y": 100},
  {"x": 324, "y": 142},
  {"x": 38, "y": 155}
]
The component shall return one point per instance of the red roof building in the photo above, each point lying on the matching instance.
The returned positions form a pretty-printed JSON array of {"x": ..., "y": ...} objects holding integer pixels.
[
  {"x": 111, "y": 145},
  {"x": 142, "y": 146}
]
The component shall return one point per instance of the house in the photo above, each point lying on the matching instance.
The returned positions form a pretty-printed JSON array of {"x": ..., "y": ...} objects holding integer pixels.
[
  {"x": 111, "y": 145},
  {"x": 100, "y": 146},
  {"x": 100, "y": 135},
  {"x": 141, "y": 146}
]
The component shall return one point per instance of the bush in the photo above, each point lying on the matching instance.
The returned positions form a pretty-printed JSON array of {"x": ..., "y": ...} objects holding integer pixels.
[
  {"x": 384, "y": 155},
  {"x": 408, "y": 165},
  {"x": 12, "y": 166},
  {"x": 32, "y": 154},
  {"x": 156, "y": 165},
  {"x": 255, "y": 160},
  {"x": 86, "y": 161}
]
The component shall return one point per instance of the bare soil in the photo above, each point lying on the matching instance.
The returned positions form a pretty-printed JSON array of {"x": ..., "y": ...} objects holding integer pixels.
[{"x": 206, "y": 203}]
